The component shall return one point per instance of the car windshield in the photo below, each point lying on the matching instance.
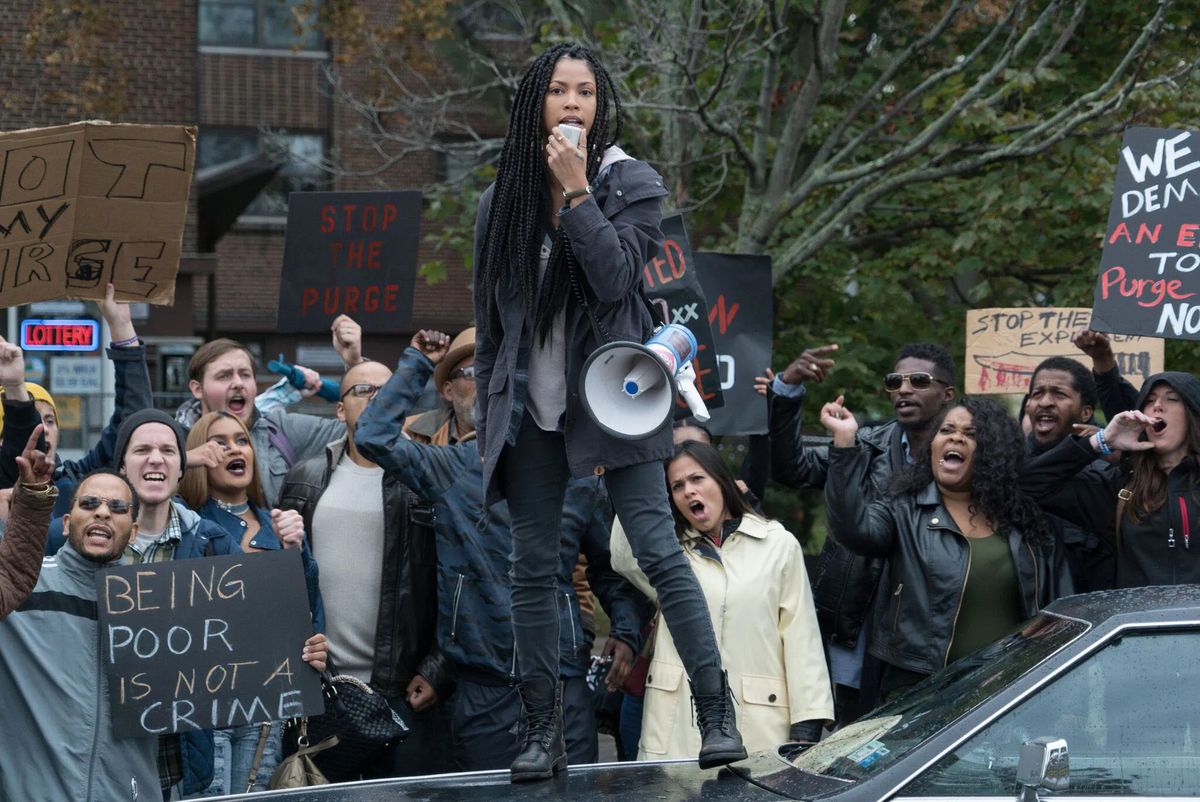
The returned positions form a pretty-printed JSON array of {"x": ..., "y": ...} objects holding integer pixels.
[{"x": 867, "y": 746}]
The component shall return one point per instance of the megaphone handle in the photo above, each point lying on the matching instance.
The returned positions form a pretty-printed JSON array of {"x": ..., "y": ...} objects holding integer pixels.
[{"x": 685, "y": 380}]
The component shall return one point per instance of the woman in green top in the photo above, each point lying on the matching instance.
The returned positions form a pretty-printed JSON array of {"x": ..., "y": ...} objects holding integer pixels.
[{"x": 970, "y": 555}]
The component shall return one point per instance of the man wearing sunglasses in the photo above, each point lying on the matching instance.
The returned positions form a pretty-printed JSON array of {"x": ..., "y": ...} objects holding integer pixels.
[
  {"x": 373, "y": 538},
  {"x": 50, "y": 668},
  {"x": 920, "y": 385},
  {"x": 454, "y": 378}
]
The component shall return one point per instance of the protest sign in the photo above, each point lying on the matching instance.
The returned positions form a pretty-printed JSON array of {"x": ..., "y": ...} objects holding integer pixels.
[
  {"x": 205, "y": 643},
  {"x": 90, "y": 203},
  {"x": 1148, "y": 282},
  {"x": 740, "y": 312},
  {"x": 352, "y": 253},
  {"x": 672, "y": 285},
  {"x": 1005, "y": 345}
]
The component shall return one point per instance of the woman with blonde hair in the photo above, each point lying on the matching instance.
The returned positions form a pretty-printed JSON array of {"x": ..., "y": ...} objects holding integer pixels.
[{"x": 226, "y": 491}]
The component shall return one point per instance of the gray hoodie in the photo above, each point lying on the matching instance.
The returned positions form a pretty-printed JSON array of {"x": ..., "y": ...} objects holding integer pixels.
[{"x": 55, "y": 719}]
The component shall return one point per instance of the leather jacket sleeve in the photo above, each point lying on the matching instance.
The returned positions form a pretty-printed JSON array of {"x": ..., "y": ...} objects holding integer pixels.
[
  {"x": 436, "y": 672},
  {"x": 864, "y": 528},
  {"x": 1060, "y": 482},
  {"x": 791, "y": 463}
]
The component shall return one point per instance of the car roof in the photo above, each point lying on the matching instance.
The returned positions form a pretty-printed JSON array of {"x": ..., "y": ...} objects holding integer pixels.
[{"x": 1159, "y": 604}]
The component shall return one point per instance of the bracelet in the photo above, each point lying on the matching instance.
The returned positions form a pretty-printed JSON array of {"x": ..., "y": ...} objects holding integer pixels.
[
  {"x": 1105, "y": 449},
  {"x": 124, "y": 343},
  {"x": 40, "y": 490},
  {"x": 577, "y": 193}
]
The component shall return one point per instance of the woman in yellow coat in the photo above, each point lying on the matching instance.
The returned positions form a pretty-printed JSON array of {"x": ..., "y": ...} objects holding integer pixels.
[{"x": 753, "y": 577}]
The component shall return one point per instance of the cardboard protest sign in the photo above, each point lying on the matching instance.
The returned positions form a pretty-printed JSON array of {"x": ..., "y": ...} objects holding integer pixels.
[
  {"x": 85, "y": 204},
  {"x": 672, "y": 284},
  {"x": 351, "y": 253},
  {"x": 1148, "y": 280},
  {"x": 1005, "y": 345},
  {"x": 740, "y": 312},
  {"x": 213, "y": 642}
]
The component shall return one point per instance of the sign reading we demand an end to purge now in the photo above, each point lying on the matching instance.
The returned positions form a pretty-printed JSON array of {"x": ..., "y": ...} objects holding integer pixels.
[
  {"x": 207, "y": 643},
  {"x": 1149, "y": 280}
]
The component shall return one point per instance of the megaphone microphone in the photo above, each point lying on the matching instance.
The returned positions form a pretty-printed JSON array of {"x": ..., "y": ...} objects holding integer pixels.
[{"x": 629, "y": 388}]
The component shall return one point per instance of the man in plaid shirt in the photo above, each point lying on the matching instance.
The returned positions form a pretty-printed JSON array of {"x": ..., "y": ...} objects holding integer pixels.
[{"x": 150, "y": 453}]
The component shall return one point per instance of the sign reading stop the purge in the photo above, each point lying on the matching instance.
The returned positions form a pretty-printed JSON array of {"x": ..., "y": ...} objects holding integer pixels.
[
  {"x": 352, "y": 253},
  {"x": 207, "y": 643}
]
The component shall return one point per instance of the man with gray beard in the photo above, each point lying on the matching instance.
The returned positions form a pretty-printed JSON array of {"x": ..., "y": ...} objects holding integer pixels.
[{"x": 454, "y": 379}]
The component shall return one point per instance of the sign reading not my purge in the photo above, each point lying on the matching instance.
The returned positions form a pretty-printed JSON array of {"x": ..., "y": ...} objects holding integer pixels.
[
  {"x": 203, "y": 644},
  {"x": 1148, "y": 282}
]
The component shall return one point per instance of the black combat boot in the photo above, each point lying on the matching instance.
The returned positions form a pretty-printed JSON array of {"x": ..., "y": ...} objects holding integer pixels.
[
  {"x": 543, "y": 752},
  {"x": 720, "y": 741}
]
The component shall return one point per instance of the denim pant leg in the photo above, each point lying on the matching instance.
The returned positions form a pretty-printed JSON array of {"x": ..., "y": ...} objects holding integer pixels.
[
  {"x": 639, "y": 496},
  {"x": 534, "y": 475}
]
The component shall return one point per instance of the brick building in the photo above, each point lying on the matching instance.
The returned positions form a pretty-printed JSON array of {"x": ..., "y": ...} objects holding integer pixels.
[{"x": 241, "y": 71}]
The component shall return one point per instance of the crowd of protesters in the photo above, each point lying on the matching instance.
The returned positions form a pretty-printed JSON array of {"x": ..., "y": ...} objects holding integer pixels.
[{"x": 459, "y": 575}]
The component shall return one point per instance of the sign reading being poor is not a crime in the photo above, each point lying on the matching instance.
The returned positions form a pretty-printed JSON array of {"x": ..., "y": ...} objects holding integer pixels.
[
  {"x": 1149, "y": 280},
  {"x": 352, "y": 253},
  {"x": 207, "y": 643}
]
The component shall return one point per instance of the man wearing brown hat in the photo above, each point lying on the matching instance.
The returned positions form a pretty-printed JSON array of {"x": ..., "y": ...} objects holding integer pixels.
[{"x": 454, "y": 378}]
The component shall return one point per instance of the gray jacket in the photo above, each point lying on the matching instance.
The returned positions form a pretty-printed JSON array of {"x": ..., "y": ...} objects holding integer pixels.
[
  {"x": 56, "y": 719},
  {"x": 283, "y": 439},
  {"x": 613, "y": 235}
]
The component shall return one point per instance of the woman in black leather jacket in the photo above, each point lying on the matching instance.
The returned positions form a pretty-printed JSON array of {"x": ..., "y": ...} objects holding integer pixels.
[{"x": 970, "y": 555}]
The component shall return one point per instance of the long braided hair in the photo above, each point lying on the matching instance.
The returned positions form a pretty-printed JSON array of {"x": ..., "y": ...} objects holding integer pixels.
[{"x": 513, "y": 239}]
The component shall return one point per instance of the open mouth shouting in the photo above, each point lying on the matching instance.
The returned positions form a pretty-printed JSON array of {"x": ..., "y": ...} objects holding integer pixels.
[
  {"x": 237, "y": 404},
  {"x": 953, "y": 459},
  {"x": 1045, "y": 423},
  {"x": 236, "y": 466},
  {"x": 98, "y": 535},
  {"x": 154, "y": 477}
]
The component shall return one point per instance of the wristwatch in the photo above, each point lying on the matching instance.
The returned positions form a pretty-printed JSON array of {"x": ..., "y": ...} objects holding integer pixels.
[{"x": 576, "y": 193}]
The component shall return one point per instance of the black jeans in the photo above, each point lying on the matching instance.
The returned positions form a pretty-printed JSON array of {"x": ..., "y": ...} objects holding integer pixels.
[{"x": 534, "y": 477}]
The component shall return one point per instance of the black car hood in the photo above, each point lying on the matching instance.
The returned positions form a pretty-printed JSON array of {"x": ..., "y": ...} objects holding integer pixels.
[{"x": 761, "y": 778}]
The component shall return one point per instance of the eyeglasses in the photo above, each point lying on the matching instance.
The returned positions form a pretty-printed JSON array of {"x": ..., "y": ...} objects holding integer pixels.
[
  {"x": 918, "y": 381},
  {"x": 362, "y": 390},
  {"x": 464, "y": 373},
  {"x": 115, "y": 505}
]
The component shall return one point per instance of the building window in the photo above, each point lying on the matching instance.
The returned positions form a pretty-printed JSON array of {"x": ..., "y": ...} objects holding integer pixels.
[
  {"x": 274, "y": 24},
  {"x": 301, "y": 173}
]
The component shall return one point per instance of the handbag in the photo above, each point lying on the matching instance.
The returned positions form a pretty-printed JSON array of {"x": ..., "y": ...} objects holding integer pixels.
[
  {"x": 635, "y": 681},
  {"x": 298, "y": 770},
  {"x": 363, "y": 722}
]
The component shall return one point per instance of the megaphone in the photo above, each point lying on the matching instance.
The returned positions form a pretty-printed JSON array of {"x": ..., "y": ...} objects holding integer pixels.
[{"x": 629, "y": 388}]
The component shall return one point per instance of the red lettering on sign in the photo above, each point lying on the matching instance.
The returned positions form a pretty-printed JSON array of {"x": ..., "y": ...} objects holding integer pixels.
[
  {"x": 1187, "y": 235},
  {"x": 1115, "y": 281},
  {"x": 722, "y": 315}
]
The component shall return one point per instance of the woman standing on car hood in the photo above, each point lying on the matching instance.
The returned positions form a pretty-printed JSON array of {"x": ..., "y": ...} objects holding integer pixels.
[
  {"x": 561, "y": 238},
  {"x": 970, "y": 555}
]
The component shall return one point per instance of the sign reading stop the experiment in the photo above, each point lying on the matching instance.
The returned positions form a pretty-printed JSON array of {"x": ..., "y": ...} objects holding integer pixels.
[
  {"x": 207, "y": 643},
  {"x": 352, "y": 253},
  {"x": 1149, "y": 280},
  {"x": 1005, "y": 345}
]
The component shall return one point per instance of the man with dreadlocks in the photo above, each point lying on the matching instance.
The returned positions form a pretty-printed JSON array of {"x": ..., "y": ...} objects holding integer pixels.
[{"x": 560, "y": 241}]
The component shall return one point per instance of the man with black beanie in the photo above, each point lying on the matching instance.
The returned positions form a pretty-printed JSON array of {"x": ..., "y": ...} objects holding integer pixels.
[{"x": 150, "y": 452}]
